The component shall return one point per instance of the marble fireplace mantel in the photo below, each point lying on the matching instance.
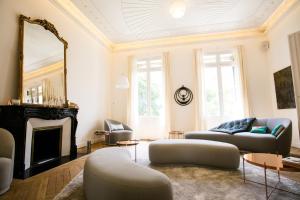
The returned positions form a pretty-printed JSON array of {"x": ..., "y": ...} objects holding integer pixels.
[{"x": 16, "y": 119}]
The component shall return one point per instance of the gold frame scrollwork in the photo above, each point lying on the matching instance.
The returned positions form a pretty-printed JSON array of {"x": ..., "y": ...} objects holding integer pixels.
[{"x": 49, "y": 27}]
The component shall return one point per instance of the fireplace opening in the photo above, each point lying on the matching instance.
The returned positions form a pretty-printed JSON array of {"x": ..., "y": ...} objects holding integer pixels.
[{"x": 46, "y": 145}]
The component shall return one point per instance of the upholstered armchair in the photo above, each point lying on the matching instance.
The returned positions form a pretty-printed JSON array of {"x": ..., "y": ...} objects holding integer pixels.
[
  {"x": 7, "y": 155},
  {"x": 116, "y": 131}
]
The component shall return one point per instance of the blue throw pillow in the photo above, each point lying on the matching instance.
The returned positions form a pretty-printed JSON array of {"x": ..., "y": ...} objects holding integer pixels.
[
  {"x": 259, "y": 129},
  {"x": 277, "y": 130}
]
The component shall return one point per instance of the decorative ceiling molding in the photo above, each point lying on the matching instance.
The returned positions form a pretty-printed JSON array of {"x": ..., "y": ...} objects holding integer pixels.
[
  {"x": 71, "y": 9},
  {"x": 188, "y": 39},
  {"x": 277, "y": 14},
  {"x": 68, "y": 7}
]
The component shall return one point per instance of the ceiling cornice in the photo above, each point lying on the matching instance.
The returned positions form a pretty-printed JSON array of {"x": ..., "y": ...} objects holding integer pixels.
[
  {"x": 187, "y": 39},
  {"x": 68, "y": 7},
  {"x": 277, "y": 14},
  {"x": 72, "y": 10}
]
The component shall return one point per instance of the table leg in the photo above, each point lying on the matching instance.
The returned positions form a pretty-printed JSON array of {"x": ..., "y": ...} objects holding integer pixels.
[
  {"x": 135, "y": 152},
  {"x": 266, "y": 184},
  {"x": 244, "y": 169},
  {"x": 108, "y": 135},
  {"x": 278, "y": 172}
]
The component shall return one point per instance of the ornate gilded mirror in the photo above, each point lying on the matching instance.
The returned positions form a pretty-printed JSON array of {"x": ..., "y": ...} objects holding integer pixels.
[{"x": 42, "y": 63}]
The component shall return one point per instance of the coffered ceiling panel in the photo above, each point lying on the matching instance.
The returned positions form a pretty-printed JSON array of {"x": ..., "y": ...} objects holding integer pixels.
[{"x": 134, "y": 20}]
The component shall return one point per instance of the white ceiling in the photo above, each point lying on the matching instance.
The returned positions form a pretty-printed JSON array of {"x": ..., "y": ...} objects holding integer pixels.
[{"x": 133, "y": 20}]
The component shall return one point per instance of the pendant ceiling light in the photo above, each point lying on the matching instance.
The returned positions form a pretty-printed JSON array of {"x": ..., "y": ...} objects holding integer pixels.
[{"x": 177, "y": 9}]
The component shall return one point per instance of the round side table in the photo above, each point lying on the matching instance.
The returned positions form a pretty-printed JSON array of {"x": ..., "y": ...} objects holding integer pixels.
[
  {"x": 266, "y": 161},
  {"x": 176, "y": 134},
  {"x": 129, "y": 143}
]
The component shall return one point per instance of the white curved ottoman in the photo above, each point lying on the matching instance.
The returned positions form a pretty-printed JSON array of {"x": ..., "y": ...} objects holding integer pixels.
[
  {"x": 190, "y": 151},
  {"x": 110, "y": 174}
]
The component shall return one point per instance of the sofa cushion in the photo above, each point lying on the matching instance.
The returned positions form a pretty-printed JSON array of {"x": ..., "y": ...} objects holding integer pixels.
[
  {"x": 253, "y": 142},
  {"x": 236, "y": 126}
]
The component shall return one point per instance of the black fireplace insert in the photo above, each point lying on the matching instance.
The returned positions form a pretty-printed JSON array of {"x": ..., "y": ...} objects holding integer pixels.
[{"x": 46, "y": 145}]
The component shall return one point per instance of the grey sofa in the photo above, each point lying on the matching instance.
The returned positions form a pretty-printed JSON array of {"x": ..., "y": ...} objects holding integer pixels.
[
  {"x": 110, "y": 174},
  {"x": 253, "y": 142},
  {"x": 116, "y": 135},
  {"x": 7, "y": 154}
]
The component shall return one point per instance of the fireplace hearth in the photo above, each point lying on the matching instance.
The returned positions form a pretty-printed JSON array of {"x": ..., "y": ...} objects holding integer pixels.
[{"x": 46, "y": 145}]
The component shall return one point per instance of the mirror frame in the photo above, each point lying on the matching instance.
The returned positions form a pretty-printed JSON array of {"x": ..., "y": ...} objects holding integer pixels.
[{"x": 49, "y": 27}]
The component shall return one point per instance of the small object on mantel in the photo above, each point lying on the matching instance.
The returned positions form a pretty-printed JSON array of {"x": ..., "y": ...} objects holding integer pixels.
[
  {"x": 291, "y": 162},
  {"x": 14, "y": 102},
  {"x": 72, "y": 105}
]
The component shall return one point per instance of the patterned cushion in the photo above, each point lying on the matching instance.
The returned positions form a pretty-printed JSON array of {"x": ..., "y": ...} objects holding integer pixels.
[{"x": 236, "y": 126}]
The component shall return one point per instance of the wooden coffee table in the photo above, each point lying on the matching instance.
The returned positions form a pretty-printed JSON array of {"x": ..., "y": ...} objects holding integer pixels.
[
  {"x": 129, "y": 143},
  {"x": 267, "y": 161}
]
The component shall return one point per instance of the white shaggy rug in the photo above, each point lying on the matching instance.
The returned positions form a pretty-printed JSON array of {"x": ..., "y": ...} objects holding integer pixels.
[{"x": 201, "y": 183}]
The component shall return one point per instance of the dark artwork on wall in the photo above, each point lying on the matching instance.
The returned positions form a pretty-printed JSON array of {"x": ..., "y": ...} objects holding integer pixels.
[
  {"x": 284, "y": 88},
  {"x": 183, "y": 96}
]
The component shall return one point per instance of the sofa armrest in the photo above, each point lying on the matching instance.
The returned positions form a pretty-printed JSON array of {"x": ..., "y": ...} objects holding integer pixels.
[
  {"x": 284, "y": 141},
  {"x": 107, "y": 126}
]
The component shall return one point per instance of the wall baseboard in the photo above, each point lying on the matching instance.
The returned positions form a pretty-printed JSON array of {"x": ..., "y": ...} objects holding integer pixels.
[{"x": 84, "y": 143}]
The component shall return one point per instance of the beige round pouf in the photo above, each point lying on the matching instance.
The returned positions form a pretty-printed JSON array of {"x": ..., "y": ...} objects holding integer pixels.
[
  {"x": 110, "y": 174},
  {"x": 199, "y": 152}
]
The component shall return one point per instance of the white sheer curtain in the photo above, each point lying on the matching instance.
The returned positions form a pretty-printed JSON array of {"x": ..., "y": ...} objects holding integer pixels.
[
  {"x": 294, "y": 44},
  {"x": 198, "y": 72},
  {"x": 132, "y": 97},
  {"x": 244, "y": 86},
  {"x": 168, "y": 91}
]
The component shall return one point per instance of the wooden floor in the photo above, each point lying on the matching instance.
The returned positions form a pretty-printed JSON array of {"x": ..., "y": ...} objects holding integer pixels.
[{"x": 48, "y": 184}]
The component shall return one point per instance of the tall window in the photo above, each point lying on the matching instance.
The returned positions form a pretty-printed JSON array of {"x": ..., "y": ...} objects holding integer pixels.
[
  {"x": 34, "y": 95},
  {"x": 150, "y": 87},
  {"x": 222, "y": 96}
]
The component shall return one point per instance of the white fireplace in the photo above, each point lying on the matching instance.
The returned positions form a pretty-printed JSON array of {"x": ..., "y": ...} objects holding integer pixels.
[{"x": 34, "y": 123}]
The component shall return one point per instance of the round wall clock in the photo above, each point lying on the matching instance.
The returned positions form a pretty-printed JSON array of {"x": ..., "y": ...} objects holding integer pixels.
[{"x": 183, "y": 96}]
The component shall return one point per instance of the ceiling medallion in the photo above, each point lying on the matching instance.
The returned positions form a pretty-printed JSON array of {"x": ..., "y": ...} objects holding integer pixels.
[{"x": 177, "y": 9}]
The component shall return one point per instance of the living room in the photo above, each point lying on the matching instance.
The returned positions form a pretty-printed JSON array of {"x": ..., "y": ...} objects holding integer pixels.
[{"x": 202, "y": 96}]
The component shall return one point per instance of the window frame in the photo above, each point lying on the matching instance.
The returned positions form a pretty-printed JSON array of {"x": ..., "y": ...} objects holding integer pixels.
[
  {"x": 219, "y": 65},
  {"x": 37, "y": 95},
  {"x": 148, "y": 71}
]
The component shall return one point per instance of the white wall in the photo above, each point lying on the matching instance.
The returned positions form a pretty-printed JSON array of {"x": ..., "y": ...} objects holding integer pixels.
[
  {"x": 181, "y": 58},
  {"x": 88, "y": 62},
  {"x": 279, "y": 58}
]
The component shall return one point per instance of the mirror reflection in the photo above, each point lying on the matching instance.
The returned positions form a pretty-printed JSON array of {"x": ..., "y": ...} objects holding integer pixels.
[{"x": 43, "y": 67}]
